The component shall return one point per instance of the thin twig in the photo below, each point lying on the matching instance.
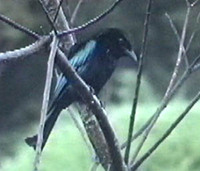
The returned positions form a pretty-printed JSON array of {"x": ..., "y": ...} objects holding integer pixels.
[
  {"x": 81, "y": 130},
  {"x": 178, "y": 38},
  {"x": 19, "y": 27},
  {"x": 45, "y": 102},
  {"x": 138, "y": 133},
  {"x": 164, "y": 103},
  {"x": 179, "y": 57},
  {"x": 195, "y": 66},
  {"x": 167, "y": 133},
  {"x": 194, "y": 32},
  {"x": 57, "y": 12},
  {"x": 138, "y": 82},
  {"x": 91, "y": 22},
  {"x": 92, "y": 100},
  {"x": 48, "y": 17},
  {"x": 171, "y": 84},
  {"x": 61, "y": 23},
  {"x": 74, "y": 14},
  {"x": 194, "y": 3},
  {"x": 82, "y": 27}
]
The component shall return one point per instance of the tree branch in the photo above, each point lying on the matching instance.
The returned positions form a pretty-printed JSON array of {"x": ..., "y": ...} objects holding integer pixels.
[
  {"x": 90, "y": 99},
  {"x": 19, "y": 27},
  {"x": 26, "y": 52},
  {"x": 167, "y": 133},
  {"x": 95, "y": 107},
  {"x": 91, "y": 22},
  {"x": 61, "y": 24},
  {"x": 168, "y": 93},
  {"x": 195, "y": 66},
  {"x": 105, "y": 126},
  {"x": 74, "y": 14},
  {"x": 45, "y": 102},
  {"x": 81, "y": 129},
  {"x": 139, "y": 75},
  {"x": 178, "y": 38},
  {"x": 96, "y": 137}
]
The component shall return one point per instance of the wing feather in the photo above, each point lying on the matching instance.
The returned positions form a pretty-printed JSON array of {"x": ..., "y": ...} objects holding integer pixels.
[{"x": 79, "y": 62}]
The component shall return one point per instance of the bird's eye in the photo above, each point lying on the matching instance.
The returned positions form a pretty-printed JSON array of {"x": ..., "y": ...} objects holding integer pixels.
[{"x": 121, "y": 41}]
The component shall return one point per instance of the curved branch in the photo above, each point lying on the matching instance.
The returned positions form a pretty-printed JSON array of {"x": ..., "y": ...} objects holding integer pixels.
[
  {"x": 19, "y": 27},
  {"x": 91, "y": 22},
  {"x": 25, "y": 52},
  {"x": 95, "y": 106},
  {"x": 138, "y": 82},
  {"x": 167, "y": 133}
]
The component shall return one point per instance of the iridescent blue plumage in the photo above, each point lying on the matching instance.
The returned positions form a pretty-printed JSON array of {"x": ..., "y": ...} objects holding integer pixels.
[{"x": 94, "y": 60}]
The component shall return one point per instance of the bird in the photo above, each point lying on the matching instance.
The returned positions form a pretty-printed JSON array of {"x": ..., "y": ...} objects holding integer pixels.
[{"x": 94, "y": 60}]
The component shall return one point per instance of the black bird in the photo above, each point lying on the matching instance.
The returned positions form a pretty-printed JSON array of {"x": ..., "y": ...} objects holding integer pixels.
[{"x": 94, "y": 60}]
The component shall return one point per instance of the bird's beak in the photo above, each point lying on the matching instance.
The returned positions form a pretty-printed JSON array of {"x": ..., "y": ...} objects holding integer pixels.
[{"x": 131, "y": 54}]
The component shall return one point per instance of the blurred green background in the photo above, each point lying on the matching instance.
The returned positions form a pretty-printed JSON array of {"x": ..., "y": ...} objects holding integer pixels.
[{"x": 22, "y": 83}]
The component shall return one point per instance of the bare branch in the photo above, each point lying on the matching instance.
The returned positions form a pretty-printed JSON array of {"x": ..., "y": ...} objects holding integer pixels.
[
  {"x": 61, "y": 24},
  {"x": 48, "y": 17},
  {"x": 167, "y": 133},
  {"x": 138, "y": 133},
  {"x": 95, "y": 106},
  {"x": 184, "y": 77},
  {"x": 57, "y": 12},
  {"x": 171, "y": 84},
  {"x": 45, "y": 101},
  {"x": 178, "y": 38},
  {"x": 139, "y": 75},
  {"x": 96, "y": 137},
  {"x": 25, "y": 52},
  {"x": 92, "y": 101},
  {"x": 195, "y": 66},
  {"x": 19, "y": 27},
  {"x": 194, "y": 3},
  {"x": 80, "y": 128},
  {"x": 194, "y": 32},
  {"x": 91, "y": 22},
  {"x": 179, "y": 57},
  {"x": 73, "y": 17}
]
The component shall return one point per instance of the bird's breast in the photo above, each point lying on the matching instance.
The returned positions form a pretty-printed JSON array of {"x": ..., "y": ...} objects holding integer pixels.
[{"x": 99, "y": 73}]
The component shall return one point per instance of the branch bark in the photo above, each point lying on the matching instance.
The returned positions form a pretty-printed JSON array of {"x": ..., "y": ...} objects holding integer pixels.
[
  {"x": 167, "y": 133},
  {"x": 45, "y": 102},
  {"x": 95, "y": 106},
  {"x": 138, "y": 82},
  {"x": 91, "y": 100}
]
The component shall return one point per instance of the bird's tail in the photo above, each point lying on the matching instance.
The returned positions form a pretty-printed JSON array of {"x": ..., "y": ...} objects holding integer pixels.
[{"x": 49, "y": 124}]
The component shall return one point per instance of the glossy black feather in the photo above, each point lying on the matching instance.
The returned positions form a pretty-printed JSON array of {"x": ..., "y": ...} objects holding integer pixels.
[{"x": 94, "y": 60}]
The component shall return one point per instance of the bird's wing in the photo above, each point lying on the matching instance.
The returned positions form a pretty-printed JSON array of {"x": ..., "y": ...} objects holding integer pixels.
[{"x": 79, "y": 63}]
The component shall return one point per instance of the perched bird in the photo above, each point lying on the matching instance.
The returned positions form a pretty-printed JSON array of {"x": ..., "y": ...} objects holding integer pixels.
[{"x": 94, "y": 60}]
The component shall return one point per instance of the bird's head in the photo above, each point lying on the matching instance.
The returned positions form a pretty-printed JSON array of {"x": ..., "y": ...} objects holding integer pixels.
[{"x": 116, "y": 43}]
